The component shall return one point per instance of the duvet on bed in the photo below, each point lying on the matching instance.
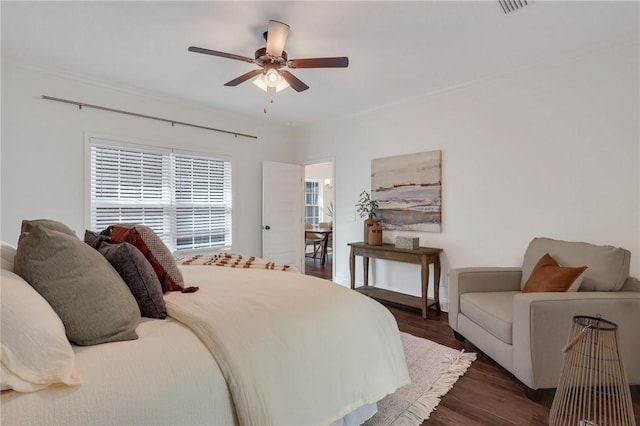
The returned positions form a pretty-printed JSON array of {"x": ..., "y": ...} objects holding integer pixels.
[
  {"x": 294, "y": 350},
  {"x": 166, "y": 377},
  {"x": 250, "y": 347}
]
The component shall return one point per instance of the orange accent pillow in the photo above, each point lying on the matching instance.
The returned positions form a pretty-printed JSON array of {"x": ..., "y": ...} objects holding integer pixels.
[
  {"x": 153, "y": 249},
  {"x": 548, "y": 275}
]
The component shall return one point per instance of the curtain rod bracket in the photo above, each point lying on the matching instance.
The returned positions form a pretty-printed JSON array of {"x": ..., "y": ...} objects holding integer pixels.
[{"x": 151, "y": 117}]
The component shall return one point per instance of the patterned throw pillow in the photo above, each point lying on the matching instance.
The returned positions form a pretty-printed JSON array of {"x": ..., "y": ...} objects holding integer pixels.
[{"x": 154, "y": 250}]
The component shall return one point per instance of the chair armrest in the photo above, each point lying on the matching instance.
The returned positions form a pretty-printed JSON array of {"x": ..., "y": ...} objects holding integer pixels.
[
  {"x": 542, "y": 322},
  {"x": 631, "y": 284},
  {"x": 475, "y": 280}
]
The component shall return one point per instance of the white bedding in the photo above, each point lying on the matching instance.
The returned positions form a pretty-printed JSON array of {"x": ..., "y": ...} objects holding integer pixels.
[
  {"x": 167, "y": 377},
  {"x": 295, "y": 350},
  {"x": 342, "y": 348}
]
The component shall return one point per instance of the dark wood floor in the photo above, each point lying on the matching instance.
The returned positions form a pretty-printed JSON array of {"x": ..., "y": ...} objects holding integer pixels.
[
  {"x": 487, "y": 394},
  {"x": 314, "y": 267}
]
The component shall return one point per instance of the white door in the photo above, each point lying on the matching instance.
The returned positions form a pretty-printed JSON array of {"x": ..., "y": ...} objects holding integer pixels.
[{"x": 282, "y": 201}]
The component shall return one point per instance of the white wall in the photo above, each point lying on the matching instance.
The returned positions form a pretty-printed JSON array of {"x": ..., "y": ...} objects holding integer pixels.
[
  {"x": 552, "y": 150},
  {"x": 43, "y": 147}
]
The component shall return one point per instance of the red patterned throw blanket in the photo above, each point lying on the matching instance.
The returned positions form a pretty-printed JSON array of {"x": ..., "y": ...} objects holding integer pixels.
[{"x": 233, "y": 261}]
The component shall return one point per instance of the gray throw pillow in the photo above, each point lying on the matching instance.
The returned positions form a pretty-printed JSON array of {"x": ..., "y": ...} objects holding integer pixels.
[
  {"x": 139, "y": 275},
  {"x": 95, "y": 239},
  {"x": 156, "y": 252},
  {"x": 54, "y": 225},
  {"x": 88, "y": 295}
]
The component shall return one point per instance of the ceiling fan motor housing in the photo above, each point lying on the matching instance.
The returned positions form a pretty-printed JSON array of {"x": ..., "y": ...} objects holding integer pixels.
[{"x": 263, "y": 59}]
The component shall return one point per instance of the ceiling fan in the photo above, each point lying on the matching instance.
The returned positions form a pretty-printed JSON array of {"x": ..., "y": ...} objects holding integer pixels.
[{"x": 272, "y": 58}]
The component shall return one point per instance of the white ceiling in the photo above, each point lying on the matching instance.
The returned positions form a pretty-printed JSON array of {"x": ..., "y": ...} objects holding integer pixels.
[{"x": 397, "y": 49}]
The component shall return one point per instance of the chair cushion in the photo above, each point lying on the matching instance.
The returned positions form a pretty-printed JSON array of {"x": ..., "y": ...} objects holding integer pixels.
[
  {"x": 492, "y": 311},
  {"x": 608, "y": 266}
]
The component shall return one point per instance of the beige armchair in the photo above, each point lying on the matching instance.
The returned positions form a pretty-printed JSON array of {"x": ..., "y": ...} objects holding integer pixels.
[{"x": 524, "y": 332}]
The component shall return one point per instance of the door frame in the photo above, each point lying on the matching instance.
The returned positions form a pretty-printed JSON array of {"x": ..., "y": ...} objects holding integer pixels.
[{"x": 323, "y": 160}]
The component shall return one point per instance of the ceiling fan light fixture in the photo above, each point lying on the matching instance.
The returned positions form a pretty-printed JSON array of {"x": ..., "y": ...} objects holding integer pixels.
[
  {"x": 272, "y": 77},
  {"x": 264, "y": 83}
]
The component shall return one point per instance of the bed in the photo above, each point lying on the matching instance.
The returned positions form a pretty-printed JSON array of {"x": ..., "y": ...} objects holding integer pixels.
[{"x": 251, "y": 346}]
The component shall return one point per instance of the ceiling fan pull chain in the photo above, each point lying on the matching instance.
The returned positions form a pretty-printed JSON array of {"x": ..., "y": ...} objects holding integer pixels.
[{"x": 271, "y": 93}]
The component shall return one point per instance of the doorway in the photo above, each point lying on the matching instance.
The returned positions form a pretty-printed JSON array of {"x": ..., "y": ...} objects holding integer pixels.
[
  {"x": 282, "y": 199},
  {"x": 319, "y": 189}
]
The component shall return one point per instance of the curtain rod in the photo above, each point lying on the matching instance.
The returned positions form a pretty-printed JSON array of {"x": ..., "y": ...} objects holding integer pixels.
[{"x": 151, "y": 117}]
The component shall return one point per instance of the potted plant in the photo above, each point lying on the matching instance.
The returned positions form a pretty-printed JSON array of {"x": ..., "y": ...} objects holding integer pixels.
[
  {"x": 368, "y": 207},
  {"x": 330, "y": 209}
]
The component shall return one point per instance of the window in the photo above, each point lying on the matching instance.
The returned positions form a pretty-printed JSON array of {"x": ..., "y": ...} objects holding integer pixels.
[
  {"x": 312, "y": 201},
  {"x": 184, "y": 197}
]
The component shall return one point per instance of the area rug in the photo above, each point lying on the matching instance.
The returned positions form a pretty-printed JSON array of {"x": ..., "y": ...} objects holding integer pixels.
[{"x": 433, "y": 369}]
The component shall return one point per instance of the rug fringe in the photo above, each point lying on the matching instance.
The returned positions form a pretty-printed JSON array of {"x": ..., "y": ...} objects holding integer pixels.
[{"x": 421, "y": 409}]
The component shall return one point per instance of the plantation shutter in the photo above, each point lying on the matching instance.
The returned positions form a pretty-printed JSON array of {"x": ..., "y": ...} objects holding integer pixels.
[
  {"x": 202, "y": 201},
  {"x": 185, "y": 198}
]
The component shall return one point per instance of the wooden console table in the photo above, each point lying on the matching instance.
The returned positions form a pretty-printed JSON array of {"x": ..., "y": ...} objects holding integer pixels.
[{"x": 423, "y": 256}]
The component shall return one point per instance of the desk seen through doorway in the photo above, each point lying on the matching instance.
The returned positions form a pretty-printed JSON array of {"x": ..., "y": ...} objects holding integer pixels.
[{"x": 319, "y": 238}]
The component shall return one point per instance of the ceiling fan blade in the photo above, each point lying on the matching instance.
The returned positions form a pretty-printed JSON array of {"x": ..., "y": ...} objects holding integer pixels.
[
  {"x": 293, "y": 81},
  {"x": 340, "y": 62},
  {"x": 243, "y": 78},
  {"x": 221, "y": 54},
  {"x": 276, "y": 38}
]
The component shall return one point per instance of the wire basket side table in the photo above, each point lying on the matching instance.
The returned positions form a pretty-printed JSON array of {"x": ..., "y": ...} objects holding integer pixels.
[{"x": 593, "y": 388}]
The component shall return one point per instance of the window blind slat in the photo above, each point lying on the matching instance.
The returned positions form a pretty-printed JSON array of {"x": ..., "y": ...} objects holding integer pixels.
[{"x": 184, "y": 198}]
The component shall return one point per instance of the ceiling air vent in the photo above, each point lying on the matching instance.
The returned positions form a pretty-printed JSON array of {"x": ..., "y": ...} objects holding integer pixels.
[{"x": 511, "y": 5}]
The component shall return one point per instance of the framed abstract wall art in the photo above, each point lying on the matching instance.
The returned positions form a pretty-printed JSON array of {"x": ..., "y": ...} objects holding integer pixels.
[{"x": 408, "y": 189}]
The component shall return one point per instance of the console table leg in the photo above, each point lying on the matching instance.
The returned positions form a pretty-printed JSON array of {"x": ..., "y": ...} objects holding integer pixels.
[
  {"x": 352, "y": 269},
  {"x": 365, "y": 264},
  {"x": 425, "y": 287},
  {"x": 436, "y": 283}
]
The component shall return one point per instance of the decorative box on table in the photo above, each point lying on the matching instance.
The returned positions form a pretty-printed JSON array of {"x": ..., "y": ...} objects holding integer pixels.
[{"x": 407, "y": 242}]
